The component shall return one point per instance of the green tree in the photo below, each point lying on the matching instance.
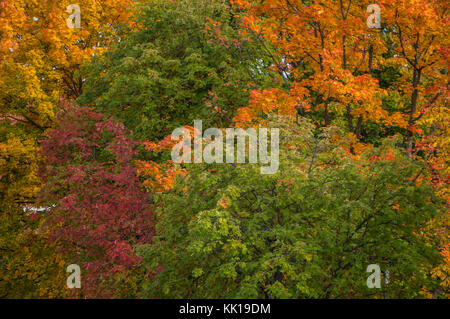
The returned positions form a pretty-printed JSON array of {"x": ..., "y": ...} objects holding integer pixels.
[
  {"x": 310, "y": 230},
  {"x": 187, "y": 61}
]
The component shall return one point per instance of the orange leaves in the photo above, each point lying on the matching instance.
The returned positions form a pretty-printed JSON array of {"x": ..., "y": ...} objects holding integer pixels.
[
  {"x": 224, "y": 202},
  {"x": 338, "y": 51},
  {"x": 167, "y": 143},
  {"x": 246, "y": 116},
  {"x": 158, "y": 177},
  {"x": 250, "y": 22},
  {"x": 396, "y": 119},
  {"x": 263, "y": 103},
  {"x": 353, "y": 147},
  {"x": 387, "y": 155},
  {"x": 422, "y": 25},
  {"x": 390, "y": 157},
  {"x": 332, "y": 59}
]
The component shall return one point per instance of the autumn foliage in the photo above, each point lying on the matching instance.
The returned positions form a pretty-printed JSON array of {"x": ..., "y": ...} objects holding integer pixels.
[
  {"x": 86, "y": 175},
  {"x": 100, "y": 212}
]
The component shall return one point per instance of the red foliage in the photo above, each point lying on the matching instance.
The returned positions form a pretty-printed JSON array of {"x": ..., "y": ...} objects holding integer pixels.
[{"x": 98, "y": 210}]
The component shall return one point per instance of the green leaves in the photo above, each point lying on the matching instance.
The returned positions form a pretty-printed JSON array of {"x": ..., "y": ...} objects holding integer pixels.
[
  {"x": 291, "y": 235},
  {"x": 171, "y": 71}
]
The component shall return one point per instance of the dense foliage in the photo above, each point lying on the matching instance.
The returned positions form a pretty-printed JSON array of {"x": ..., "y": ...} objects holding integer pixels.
[
  {"x": 172, "y": 71},
  {"x": 306, "y": 232},
  {"x": 95, "y": 198},
  {"x": 86, "y": 177}
]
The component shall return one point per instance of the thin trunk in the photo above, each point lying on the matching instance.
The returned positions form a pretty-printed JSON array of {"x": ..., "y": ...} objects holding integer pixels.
[{"x": 358, "y": 128}]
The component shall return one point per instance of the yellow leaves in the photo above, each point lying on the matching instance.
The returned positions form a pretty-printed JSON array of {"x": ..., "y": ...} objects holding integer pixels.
[
  {"x": 397, "y": 119},
  {"x": 18, "y": 156},
  {"x": 39, "y": 56},
  {"x": 34, "y": 269},
  {"x": 49, "y": 38}
]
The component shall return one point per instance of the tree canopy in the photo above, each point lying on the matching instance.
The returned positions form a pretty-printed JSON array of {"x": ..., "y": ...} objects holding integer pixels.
[{"x": 88, "y": 177}]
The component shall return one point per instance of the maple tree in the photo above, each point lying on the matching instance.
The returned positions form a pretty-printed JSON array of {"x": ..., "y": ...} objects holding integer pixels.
[
  {"x": 328, "y": 54},
  {"x": 418, "y": 39},
  {"x": 342, "y": 71}
]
